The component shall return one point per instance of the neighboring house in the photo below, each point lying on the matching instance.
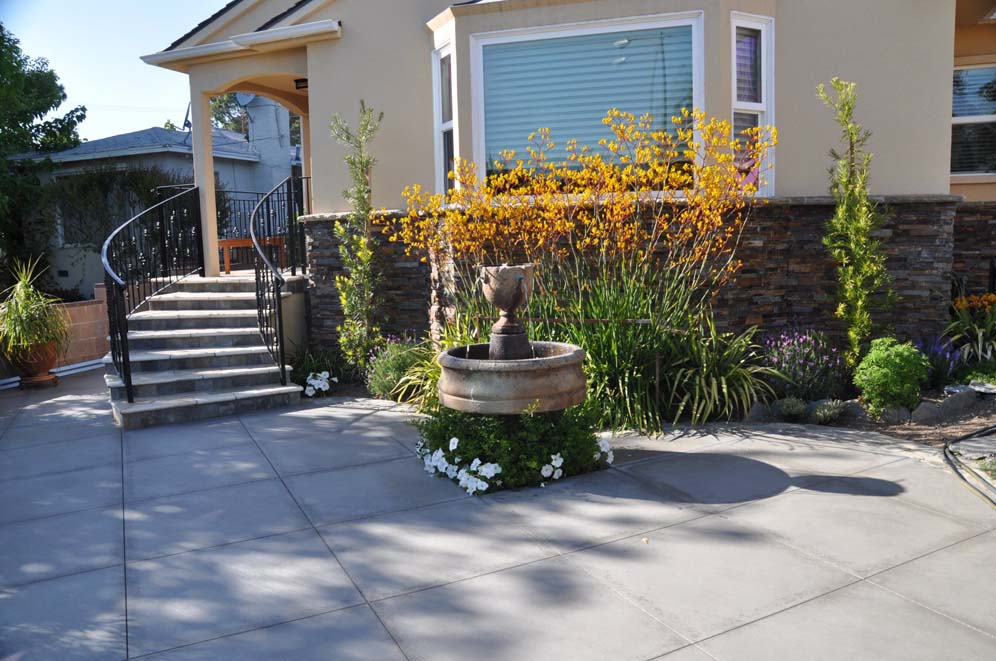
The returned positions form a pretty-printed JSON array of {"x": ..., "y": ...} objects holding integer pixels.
[{"x": 243, "y": 168}]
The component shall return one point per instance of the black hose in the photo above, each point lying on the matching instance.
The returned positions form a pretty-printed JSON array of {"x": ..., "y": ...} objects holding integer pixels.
[{"x": 987, "y": 492}]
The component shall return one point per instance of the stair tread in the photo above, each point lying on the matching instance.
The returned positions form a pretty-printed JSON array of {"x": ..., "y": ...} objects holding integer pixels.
[
  {"x": 194, "y": 314},
  {"x": 170, "y": 376},
  {"x": 244, "y": 276},
  {"x": 196, "y": 352},
  {"x": 208, "y": 296},
  {"x": 196, "y": 398},
  {"x": 190, "y": 332}
]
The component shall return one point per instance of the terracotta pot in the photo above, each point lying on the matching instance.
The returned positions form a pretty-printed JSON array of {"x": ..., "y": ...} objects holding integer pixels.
[{"x": 34, "y": 365}]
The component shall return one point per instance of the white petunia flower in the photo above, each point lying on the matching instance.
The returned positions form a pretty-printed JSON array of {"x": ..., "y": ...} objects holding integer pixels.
[
  {"x": 451, "y": 472},
  {"x": 603, "y": 445},
  {"x": 309, "y": 391},
  {"x": 454, "y": 442},
  {"x": 557, "y": 474},
  {"x": 547, "y": 470},
  {"x": 597, "y": 456},
  {"x": 482, "y": 485},
  {"x": 324, "y": 375},
  {"x": 334, "y": 379},
  {"x": 474, "y": 465},
  {"x": 610, "y": 457},
  {"x": 489, "y": 470},
  {"x": 556, "y": 460}
]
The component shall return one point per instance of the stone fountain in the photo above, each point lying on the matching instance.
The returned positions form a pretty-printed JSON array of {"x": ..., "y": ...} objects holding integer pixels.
[{"x": 511, "y": 374}]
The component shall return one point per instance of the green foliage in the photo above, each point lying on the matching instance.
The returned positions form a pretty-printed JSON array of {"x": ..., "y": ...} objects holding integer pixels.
[
  {"x": 421, "y": 380},
  {"x": 973, "y": 332},
  {"x": 29, "y": 93},
  {"x": 358, "y": 334},
  {"x": 792, "y": 409},
  {"x": 891, "y": 375},
  {"x": 520, "y": 445},
  {"x": 387, "y": 368},
  {"x": 988, "y": 466},
  {"x": 984, "y": 371},
  {"x": 861, "y": 269},
  {"x": 713, "y": 375},
  {"x": 828, "y": 412},
  {"x": 314, "y": 360},
  {"x": 228, "y": 114},
  {"x": 28, "y": 317}
]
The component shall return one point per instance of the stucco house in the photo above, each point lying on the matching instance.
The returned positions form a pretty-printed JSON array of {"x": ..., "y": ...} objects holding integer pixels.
[{"x": 469, "y": 79}]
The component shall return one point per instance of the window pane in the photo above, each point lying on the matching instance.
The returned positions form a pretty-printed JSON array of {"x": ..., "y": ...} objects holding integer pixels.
[
  {"x": 975, "y": 92},
  {"x": 445, "y": 89},
  {"x": 567, "y": 84},
  {"x": 743, "y": 121},
  {"x": 973, "y": 147},
  {"x": 748, "y": 65},
  {"x": 448, "y": 157}
]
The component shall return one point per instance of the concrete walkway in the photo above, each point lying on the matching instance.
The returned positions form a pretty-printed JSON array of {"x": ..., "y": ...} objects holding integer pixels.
[{"x": 314, "y": 533}]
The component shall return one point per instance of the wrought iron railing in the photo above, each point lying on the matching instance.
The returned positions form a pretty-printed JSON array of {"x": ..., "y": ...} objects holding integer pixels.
[
  {"x": 278, "y": 245},
  {"x": 144, "y": 256}
]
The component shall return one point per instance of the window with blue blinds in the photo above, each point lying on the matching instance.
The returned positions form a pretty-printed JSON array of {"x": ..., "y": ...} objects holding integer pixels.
[
  {"x": 973, "y": 130},
  {"x": 568, "y": 83}
]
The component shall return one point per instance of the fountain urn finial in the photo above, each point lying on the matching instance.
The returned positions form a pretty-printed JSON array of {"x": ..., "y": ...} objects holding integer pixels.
[{"x": 508, "y": 288}]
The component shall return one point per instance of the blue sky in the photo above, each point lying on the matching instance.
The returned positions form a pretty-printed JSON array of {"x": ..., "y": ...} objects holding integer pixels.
[{"x": 94, "y": 46}]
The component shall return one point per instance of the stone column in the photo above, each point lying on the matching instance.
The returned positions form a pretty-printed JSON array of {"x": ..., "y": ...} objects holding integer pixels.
[{"x": 201, "y": 141}]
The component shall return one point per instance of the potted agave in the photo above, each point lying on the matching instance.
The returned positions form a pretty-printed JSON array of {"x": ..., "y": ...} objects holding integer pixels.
[{"x": 34, "y": 328}]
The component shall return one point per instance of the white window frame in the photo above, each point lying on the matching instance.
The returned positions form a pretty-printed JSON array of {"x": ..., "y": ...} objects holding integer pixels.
[
  {"x": 481, "y": 39},
  {"x": 765, "y": 110},
  {"x": 973, "y": 119},
  {"x": 441, "y": 173}
]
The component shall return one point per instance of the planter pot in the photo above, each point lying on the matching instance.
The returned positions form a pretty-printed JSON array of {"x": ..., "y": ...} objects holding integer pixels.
[{"x": 34, "y": 365}]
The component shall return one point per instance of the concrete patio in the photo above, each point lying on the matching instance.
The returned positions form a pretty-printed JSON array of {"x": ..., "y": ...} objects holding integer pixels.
[{"x": 314, "y": 533}]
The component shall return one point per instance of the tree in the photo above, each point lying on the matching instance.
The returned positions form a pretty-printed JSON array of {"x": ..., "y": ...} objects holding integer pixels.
[
  {"x": 228, "y": 114},
  {"x": 358, "y": 333},
  {"x": 849, "y": 238},
  {"x": 29, "y": 92}
]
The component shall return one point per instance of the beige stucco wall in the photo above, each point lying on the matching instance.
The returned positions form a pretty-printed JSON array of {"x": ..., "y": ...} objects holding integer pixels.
[{"x": 898, "y": 51}]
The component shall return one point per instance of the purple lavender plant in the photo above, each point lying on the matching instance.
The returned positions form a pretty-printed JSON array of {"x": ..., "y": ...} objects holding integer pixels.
[
  {"x": 943, "y": 360},
  {"x": 813, "y": 366}
]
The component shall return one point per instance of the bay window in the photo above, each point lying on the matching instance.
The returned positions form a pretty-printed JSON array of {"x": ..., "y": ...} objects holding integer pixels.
[
  {"x": 565, "y": 78},
  {"x": 973, "y": 129},
  {"x": 445, "y": 136}
]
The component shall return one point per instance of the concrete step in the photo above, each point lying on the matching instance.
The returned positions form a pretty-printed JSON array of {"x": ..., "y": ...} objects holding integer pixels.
[
  {"x": 191, "y": 319},
  {"x": 243, "y": 281},
  {"x": 151, "y": 385},
  {"x": 204, "y": 301},
  {"x": 181, "y": 407},
  {"x": 193, "y": 338},
  {"x": 169, "y": 360}
]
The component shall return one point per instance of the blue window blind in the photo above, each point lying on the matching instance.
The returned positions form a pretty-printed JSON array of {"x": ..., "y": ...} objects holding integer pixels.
[
  {"x": 974, "y": 92},
  {"x": 748, "y": 65},
  {"x": 568, "y": 83}
]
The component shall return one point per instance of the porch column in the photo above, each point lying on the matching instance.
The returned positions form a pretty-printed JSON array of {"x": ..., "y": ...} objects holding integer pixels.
[
  {"x": 200, "y": 132},
  {"x": 305, "y": 146}
]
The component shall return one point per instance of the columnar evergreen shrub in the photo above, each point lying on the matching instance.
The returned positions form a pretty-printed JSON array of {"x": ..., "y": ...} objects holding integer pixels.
[
  {"x": 358, "y": 333},
  {"x": 861, "y": 272}
]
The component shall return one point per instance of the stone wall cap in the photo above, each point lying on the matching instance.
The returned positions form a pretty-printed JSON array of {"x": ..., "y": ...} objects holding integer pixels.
[
  {"x": 342, "y": 215},
  {"x": 827, "y": 200}
]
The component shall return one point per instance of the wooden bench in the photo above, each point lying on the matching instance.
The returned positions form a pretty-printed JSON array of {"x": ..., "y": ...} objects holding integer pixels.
[{"x": 227, "y": 244}]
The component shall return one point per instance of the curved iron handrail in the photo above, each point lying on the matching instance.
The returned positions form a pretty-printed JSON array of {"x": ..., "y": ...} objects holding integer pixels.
[
  {"x": 143, "y": 256},
  {"x": 275, "y": 236}
]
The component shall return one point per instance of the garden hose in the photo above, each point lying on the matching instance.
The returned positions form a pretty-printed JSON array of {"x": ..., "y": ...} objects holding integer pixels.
[{"x": 966, "y": 474}]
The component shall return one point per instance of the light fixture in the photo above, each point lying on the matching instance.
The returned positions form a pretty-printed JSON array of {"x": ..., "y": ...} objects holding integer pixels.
[{"x": 300, "y": 83}]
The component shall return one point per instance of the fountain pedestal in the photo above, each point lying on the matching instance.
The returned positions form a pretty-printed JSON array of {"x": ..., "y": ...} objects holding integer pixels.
[{"x": 511, "y": 374}]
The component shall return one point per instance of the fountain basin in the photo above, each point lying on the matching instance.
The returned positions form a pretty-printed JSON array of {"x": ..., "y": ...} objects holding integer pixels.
[{"x": 552, "y": 380}]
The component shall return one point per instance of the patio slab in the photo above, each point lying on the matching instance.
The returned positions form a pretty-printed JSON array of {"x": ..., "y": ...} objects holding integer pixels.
[
  {"x": 73, "y": 617},
  {"x": 720, "y": 543},
  {"x": 195, "y": 596}
]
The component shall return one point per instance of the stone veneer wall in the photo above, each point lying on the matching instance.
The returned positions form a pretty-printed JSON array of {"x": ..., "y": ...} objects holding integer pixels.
[
  {"x": 787, "y": 276},
  {"x": 974, "y": 243},
  {"x": 404, "y": 291}
]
